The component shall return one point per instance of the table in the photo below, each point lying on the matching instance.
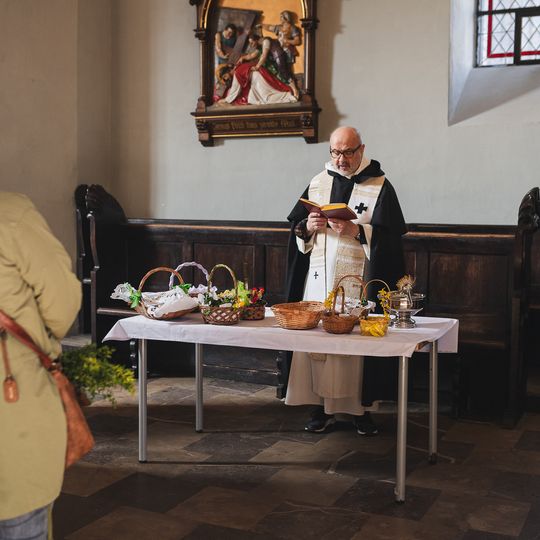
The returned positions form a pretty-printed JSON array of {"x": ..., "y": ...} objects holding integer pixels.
[{"x": 431, "y": 334}]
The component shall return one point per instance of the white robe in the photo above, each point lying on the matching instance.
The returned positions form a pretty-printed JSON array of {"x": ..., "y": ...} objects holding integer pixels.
[
  {"x": 260, "y": 92},
  {"x": 334, "y": 381}
]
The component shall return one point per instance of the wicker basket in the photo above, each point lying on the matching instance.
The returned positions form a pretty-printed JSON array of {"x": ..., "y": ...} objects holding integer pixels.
[
  {"x": 375, "y": 326},
  {"x": 298, "y": 315},
  {"x": 186, "y": 264},
  {"x": 219, "y": 314},
  {"x": 364, "y": 311},
  {"x": 142, "y": 309},
  {"x": 253, "y": 313},
  {"x": 338, "y": 323}
]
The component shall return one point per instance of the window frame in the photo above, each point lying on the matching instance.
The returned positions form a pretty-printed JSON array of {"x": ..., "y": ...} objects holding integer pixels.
[{"x": 517, "y": 54}]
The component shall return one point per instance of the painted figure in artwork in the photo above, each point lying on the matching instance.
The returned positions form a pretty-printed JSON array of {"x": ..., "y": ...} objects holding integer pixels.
[
  {"x": 288, "y": 34},
  {"x": 224, "y": 43},
  {"x": 261, "y": 75},
  {"x": 223, "y": 80}
]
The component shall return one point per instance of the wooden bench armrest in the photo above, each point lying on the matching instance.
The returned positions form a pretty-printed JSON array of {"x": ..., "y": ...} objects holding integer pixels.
[{"x": 116, "y": 312}]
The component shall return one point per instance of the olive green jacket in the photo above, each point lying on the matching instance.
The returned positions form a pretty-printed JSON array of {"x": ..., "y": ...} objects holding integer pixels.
[{"x": 39, "y": 291}]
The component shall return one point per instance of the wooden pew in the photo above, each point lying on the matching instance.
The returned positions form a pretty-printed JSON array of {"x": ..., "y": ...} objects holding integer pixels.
[{"x": 479, "y": 274}]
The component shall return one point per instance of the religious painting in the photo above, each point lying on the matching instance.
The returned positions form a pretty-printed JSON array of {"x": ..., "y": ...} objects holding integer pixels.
[{"x": 257, "y": 69}]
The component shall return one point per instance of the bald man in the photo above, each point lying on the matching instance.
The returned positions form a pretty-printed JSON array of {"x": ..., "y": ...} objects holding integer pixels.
[{"x": 321, "y": 251}]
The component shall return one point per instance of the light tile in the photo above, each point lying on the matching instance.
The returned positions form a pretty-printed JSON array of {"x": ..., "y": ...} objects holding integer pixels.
[
  {"x": 306, "y": 485},
  {"x": 226, "y": 507},
  {"x": 84, "y": 479}
]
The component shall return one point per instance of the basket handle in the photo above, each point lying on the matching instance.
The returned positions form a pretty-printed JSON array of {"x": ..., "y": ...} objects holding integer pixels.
[
  {"x": 353, "y": 276},
  {"x": 160, "y": 269},
  {"x": 230, "y": 272},
  {"x": 339, "y": 289},
  {"x": 364, "y": 292},
  {"x": 192, "y": 263}
]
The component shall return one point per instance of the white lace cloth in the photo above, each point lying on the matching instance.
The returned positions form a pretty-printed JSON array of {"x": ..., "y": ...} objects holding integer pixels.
[{"x": 157, "y": 304}]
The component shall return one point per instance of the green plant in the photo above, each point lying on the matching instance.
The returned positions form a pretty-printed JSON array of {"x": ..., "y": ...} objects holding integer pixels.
[{"x": 90, "y": 371}]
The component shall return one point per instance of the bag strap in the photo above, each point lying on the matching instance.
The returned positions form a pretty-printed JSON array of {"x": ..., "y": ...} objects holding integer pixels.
[{"x": 20, "y": 334}]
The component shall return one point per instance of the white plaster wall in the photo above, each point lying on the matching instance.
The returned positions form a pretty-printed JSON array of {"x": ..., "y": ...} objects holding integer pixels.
[
  {"x": 54, "y": 103},
  {"x": 382, "y": 66},
  {"x": 38, "y": 116},
  {"x": 101, "y": 91}
]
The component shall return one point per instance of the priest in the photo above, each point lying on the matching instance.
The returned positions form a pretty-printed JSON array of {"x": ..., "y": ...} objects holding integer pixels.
[{"x": 321, "y": 251}]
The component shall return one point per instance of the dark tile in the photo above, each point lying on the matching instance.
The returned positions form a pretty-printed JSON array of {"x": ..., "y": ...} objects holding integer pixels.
[
  {"x": 516, "y": 486},
  {"x": 111, "y": 424},
  {"x": 126, "y": 523},
  {"x": 233, "y": 447},
  {"x": 531, "y": 527},
  {"x": 213, "y": 532},
  {"x": 244, "y": 477},
  {"x": 453, "y": 451},
  {"x": 293, "y": 521},
  {"x": 149, "y": 492},
  {"x": 530, "y": 440},
  {"x": 378, "y": 467},
  {"x": 71, "y": 512},
  {"x": 481, "y": 535},
  {"x": 368, "y": 466},
  {"x": 109, "y": 448},
  {"x": 378, "y": 498}
]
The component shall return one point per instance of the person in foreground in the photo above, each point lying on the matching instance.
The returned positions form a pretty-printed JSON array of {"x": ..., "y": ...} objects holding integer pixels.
[
  {"x": 321, "y": 251},
  {"x": 39, "y": 291}
]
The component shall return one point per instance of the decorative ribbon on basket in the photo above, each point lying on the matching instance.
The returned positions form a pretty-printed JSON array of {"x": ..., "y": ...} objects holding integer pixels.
[
  {"x": 226, "y": 313},
  {"x": 298, "y": 315},
  {"x": 194, "y": 291},
  {"x": 145, "y": 305},
  {"x": 376, "y": 325}
]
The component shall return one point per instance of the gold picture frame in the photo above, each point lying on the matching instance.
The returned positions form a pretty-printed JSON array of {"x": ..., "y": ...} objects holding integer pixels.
[{"x": 257, "y": 72}]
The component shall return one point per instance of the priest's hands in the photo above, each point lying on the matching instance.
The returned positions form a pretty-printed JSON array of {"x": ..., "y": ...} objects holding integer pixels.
[
  {"x": 315, "y": 222},
  {"x": 343, "y": 228}
]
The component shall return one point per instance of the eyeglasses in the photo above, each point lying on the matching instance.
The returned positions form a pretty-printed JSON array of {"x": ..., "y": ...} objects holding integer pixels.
[{"x": 345, "y": 153}]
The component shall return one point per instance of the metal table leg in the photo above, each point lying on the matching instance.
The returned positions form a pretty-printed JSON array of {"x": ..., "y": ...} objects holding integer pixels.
[
  {"x": 401, "y": 458},
  {"x": 433, "y": 401},
  {"x": 198, "y": 387},
  {"x": 142, "y": 400}
]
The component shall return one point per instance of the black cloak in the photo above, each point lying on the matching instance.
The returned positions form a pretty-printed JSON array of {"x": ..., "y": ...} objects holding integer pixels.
[{"x": 386, "y": 262}]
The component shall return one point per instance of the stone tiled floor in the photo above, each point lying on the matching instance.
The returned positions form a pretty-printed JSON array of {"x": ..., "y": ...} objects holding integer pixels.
[{"x": 255, "y": 474}]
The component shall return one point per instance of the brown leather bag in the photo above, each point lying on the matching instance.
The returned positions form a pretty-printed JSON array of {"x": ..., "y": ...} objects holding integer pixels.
[{"x": 79, "y": 437}]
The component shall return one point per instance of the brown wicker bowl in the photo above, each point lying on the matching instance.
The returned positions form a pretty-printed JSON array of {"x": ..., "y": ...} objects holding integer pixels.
[
  {"x": 142, "y": 309},
  {"x": 298, "y": 315}
]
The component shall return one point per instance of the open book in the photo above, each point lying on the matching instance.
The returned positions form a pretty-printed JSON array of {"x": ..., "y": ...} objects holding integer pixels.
[{"x": 333, "y": 210}]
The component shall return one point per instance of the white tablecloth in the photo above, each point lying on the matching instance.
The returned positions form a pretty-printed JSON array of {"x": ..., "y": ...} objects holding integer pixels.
[{"x": 266, "y": 334}]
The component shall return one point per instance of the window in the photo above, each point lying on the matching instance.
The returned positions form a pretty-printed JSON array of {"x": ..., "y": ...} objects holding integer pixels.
[{"x": 508, "y": 32}]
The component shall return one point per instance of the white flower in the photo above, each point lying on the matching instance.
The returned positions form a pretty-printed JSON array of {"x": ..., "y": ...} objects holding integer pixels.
[{"x": 122, "y": 292}]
